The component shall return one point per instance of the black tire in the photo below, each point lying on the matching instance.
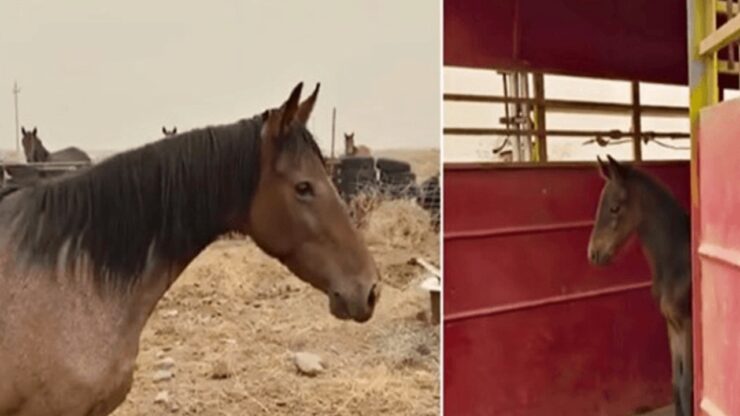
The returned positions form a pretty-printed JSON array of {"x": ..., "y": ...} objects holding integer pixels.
[
  {"x": 397, "y": 178},
  {"x": 392, "y": 165},
  {"x": 357, "y": 163}
]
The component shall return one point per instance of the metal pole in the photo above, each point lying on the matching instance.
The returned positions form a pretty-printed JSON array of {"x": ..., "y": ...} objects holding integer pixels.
[
  {"x": 539, "y": 96},
  {"x": 333, "y": 129},
  {"x": 16, "y": 91},
  {"x": 636, "y": 123}
]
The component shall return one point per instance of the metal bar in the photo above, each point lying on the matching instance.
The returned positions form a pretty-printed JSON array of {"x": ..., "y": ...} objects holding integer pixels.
[
  {"x": 701, "y": 19},
  {"x": 636, "y": 122},
  {"x": 720, "y": 254},
  {"x": 333, "y": 129},
  {"x": 472, "y": 131},
  {"x": 553, "y": 300},
  {"x": 718, "y": 39},
  {"x": 540, "y": 119},
  {"x": 555, "y": 105},
  {"x": 527, "y": 229},
  {"x": 16, "y": 91}
]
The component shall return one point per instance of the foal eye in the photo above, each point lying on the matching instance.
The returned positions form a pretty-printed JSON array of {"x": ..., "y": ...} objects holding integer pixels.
[{"x": 304, "y": 189}]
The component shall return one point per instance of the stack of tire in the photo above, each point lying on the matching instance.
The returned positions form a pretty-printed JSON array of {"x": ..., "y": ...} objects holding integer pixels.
[
  {"x": 396, "y": 178},
  {"x": 429, "y": 198},
  {"x": 355, "y": 174}
]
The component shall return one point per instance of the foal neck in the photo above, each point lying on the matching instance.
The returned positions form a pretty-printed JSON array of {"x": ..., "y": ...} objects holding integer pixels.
[{"x": 664, "y": 230}]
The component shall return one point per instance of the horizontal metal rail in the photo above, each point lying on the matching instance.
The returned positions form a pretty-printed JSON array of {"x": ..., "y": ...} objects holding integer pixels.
[
  {"x": 718, "y": 39},
  {"x": 552, "y": 300},
  {"x": 516, "y": 230},
  {"x": 613, "y": 134},
  {"x": 575, "y": 106}
]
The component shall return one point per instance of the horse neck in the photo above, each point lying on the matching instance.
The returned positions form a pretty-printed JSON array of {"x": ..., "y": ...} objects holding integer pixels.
[
  {"x": 40, "y": 153},
  {"x": 663, "y": 230}
]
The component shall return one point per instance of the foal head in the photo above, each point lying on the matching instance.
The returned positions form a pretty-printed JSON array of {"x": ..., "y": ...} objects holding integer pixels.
[
  {"x": 32, "y": 147},
  {"x": 297, "y": 216},
  {"x": 618, "y": 214}
]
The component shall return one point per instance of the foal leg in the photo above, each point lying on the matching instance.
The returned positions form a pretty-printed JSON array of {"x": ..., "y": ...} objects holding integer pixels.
[
  {"x": 676, "y": 368},
  {"x": 686, "y": 386}
]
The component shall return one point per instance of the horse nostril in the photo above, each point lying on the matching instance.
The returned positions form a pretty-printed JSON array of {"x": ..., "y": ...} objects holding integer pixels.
[{"x": 373, "y": 296}]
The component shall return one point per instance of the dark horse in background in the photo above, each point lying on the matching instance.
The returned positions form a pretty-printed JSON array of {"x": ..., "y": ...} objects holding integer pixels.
[
  {"x": 168, "y": 133},
  {"x": 634, "y": 202},
  {"x": 85, "y": 258},
  {"x": 37, "y": 153}
]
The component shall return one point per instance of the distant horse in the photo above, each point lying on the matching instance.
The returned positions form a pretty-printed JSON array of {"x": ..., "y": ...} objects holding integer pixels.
[
  {"x": 36, "y": 152},
  {"x": 169, "y": 132},
  {"x": 634, "y": 202},
  {"x": 84, "y": 259},
  {"x": 351, "y": 150}
]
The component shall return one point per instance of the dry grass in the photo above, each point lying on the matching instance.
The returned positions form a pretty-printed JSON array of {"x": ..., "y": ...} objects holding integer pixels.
[{"x": 244, "y": 313}]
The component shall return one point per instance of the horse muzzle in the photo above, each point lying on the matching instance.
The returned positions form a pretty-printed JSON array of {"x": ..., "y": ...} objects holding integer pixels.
[{"x": 357, "y": 305}]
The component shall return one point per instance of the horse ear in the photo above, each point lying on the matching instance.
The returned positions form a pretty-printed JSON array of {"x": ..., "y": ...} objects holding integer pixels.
[
  {"x": 616, "y": 170},
  {"x": 275, "y": 121},
  {"x": 174, "y": 130},
  {"x": 603, "y": 169},
  {"x": 164, "y": 130},
  {"x": 306, "y": 107},
  {"x": 23, "y": 130},
  {"x": 290, "y": 107},
  {"x": 35, "y": 130}
]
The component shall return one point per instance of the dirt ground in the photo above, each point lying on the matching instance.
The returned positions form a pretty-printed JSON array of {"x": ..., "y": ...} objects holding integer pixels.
[{"x": 228, "y": 328}]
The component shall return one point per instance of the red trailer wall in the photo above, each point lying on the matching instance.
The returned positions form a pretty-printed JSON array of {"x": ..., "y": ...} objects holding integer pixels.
[
  {"x": 530, "y": 327},
  {"x": 717, "y": 286}
]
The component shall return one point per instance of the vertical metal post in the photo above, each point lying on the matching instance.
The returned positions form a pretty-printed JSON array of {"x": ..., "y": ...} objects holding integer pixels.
[
  {"x": 539, "y": 111},
  {"x": 523, "y": 119},
  {"x": 333, "y": 129},
  {"x": 636, "y": 123},
  {"x": 701, "y": 20},
  {"x": 16, "y": 91}
]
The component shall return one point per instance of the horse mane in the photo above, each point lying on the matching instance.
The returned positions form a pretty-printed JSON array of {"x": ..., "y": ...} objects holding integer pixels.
[
  {"x": 170, "y": 198},
  {"x": 672, "y": 214}
]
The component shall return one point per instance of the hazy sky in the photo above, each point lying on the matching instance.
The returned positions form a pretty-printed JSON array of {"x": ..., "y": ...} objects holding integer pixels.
[{"x": 108, "y": 75}]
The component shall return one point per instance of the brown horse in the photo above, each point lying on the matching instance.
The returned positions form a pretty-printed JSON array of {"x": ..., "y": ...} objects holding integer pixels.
[
  {"x": 37, "y": 153},
  {"x": 169, "y": 132},
  {"x": 351, "y": 150},
  {"x": 84, "y": 259},
  {"x": 634, "y": 202}
]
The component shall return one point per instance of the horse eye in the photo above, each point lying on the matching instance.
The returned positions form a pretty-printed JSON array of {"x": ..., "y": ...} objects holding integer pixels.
[
  {"x": 304, "y": 189},
  {"x": 614, "y": 209}
]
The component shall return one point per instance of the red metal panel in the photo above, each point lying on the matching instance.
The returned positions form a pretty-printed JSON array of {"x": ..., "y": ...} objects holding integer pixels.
[
  {"x": 627, "y": 39},
  {"x": 718, "y": 375},
  {"x": 530, "y": 327}
]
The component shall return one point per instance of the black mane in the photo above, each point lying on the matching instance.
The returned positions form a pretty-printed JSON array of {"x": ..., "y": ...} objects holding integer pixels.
[{"x": 174, "y": 197}]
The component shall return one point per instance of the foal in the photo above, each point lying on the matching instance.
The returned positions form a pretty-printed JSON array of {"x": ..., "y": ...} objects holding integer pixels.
[
  {"x": 85, "y": 258},
  {"x": 633, "y": 202}
]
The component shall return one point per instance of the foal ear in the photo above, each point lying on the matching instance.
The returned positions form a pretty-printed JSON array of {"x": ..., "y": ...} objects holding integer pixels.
[
  {"x": 603, "y": 169},
  {"x": 616, "y": 171},
  {"x": 306, "y": 107}
]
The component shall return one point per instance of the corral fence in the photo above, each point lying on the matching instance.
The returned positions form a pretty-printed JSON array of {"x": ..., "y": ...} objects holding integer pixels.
[{"x": 359, "y": 177}]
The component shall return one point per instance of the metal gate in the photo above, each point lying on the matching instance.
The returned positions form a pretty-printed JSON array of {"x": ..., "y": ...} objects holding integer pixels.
[{"x": 530, "y": 327}]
